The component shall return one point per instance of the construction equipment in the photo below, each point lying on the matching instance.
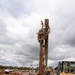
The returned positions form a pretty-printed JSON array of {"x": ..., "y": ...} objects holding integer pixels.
[
  {"x": 43, "y": 40},
  {"x": 66, "y": 68}
]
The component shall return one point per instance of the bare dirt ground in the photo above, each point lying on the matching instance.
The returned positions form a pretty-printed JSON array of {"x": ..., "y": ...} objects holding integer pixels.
[
  {"x": 22, "y": 73},
  {"x": 17, "y": 73}
]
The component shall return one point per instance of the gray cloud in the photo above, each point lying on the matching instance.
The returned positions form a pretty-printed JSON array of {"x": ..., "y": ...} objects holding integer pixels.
[
  {"x": 2, "y": 28},
  {"x": 17, "y": 8},
  {"x": 69, "y": 36}
]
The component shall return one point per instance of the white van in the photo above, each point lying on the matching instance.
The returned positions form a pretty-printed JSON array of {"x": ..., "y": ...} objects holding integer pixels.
[{"x": 30, "y": 72}]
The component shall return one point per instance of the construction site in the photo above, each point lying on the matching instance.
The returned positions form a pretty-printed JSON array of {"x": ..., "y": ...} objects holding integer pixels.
[
  {"x": 37, "y": 37},
  {"x": 63, "y": 68},
  {"x": 43, "y": 35}
]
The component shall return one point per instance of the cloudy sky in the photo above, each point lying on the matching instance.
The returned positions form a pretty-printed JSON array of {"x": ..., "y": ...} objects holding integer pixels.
[{"x": 20, "y": 20}]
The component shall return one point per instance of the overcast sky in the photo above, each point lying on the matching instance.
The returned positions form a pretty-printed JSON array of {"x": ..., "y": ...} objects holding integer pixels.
[{"x": 20, "y": 20}]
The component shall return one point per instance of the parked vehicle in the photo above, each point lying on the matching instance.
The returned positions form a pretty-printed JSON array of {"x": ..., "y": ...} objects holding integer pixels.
[{"x": 7, "y": 72}]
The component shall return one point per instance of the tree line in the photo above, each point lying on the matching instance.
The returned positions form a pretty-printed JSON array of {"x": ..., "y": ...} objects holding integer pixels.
[
  {"x": 24, "y": 68},
  {"x": 13, "y": 67}
]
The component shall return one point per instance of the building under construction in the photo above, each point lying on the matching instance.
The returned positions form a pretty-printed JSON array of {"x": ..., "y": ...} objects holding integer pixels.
[{"x": 43, "y": 40}]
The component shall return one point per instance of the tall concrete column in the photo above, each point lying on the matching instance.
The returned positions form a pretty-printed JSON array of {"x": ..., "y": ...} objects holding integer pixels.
[
  {"x": 43, "y": 40},
  {"x": 40, "y": 59}
]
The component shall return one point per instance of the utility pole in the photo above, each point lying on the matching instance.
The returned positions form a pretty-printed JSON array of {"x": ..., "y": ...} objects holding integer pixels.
[{"x": 43, "y": 40}]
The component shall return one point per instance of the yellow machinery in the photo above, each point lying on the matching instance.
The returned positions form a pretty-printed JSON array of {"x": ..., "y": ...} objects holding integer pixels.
[{"x": 66, "y": 68}]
